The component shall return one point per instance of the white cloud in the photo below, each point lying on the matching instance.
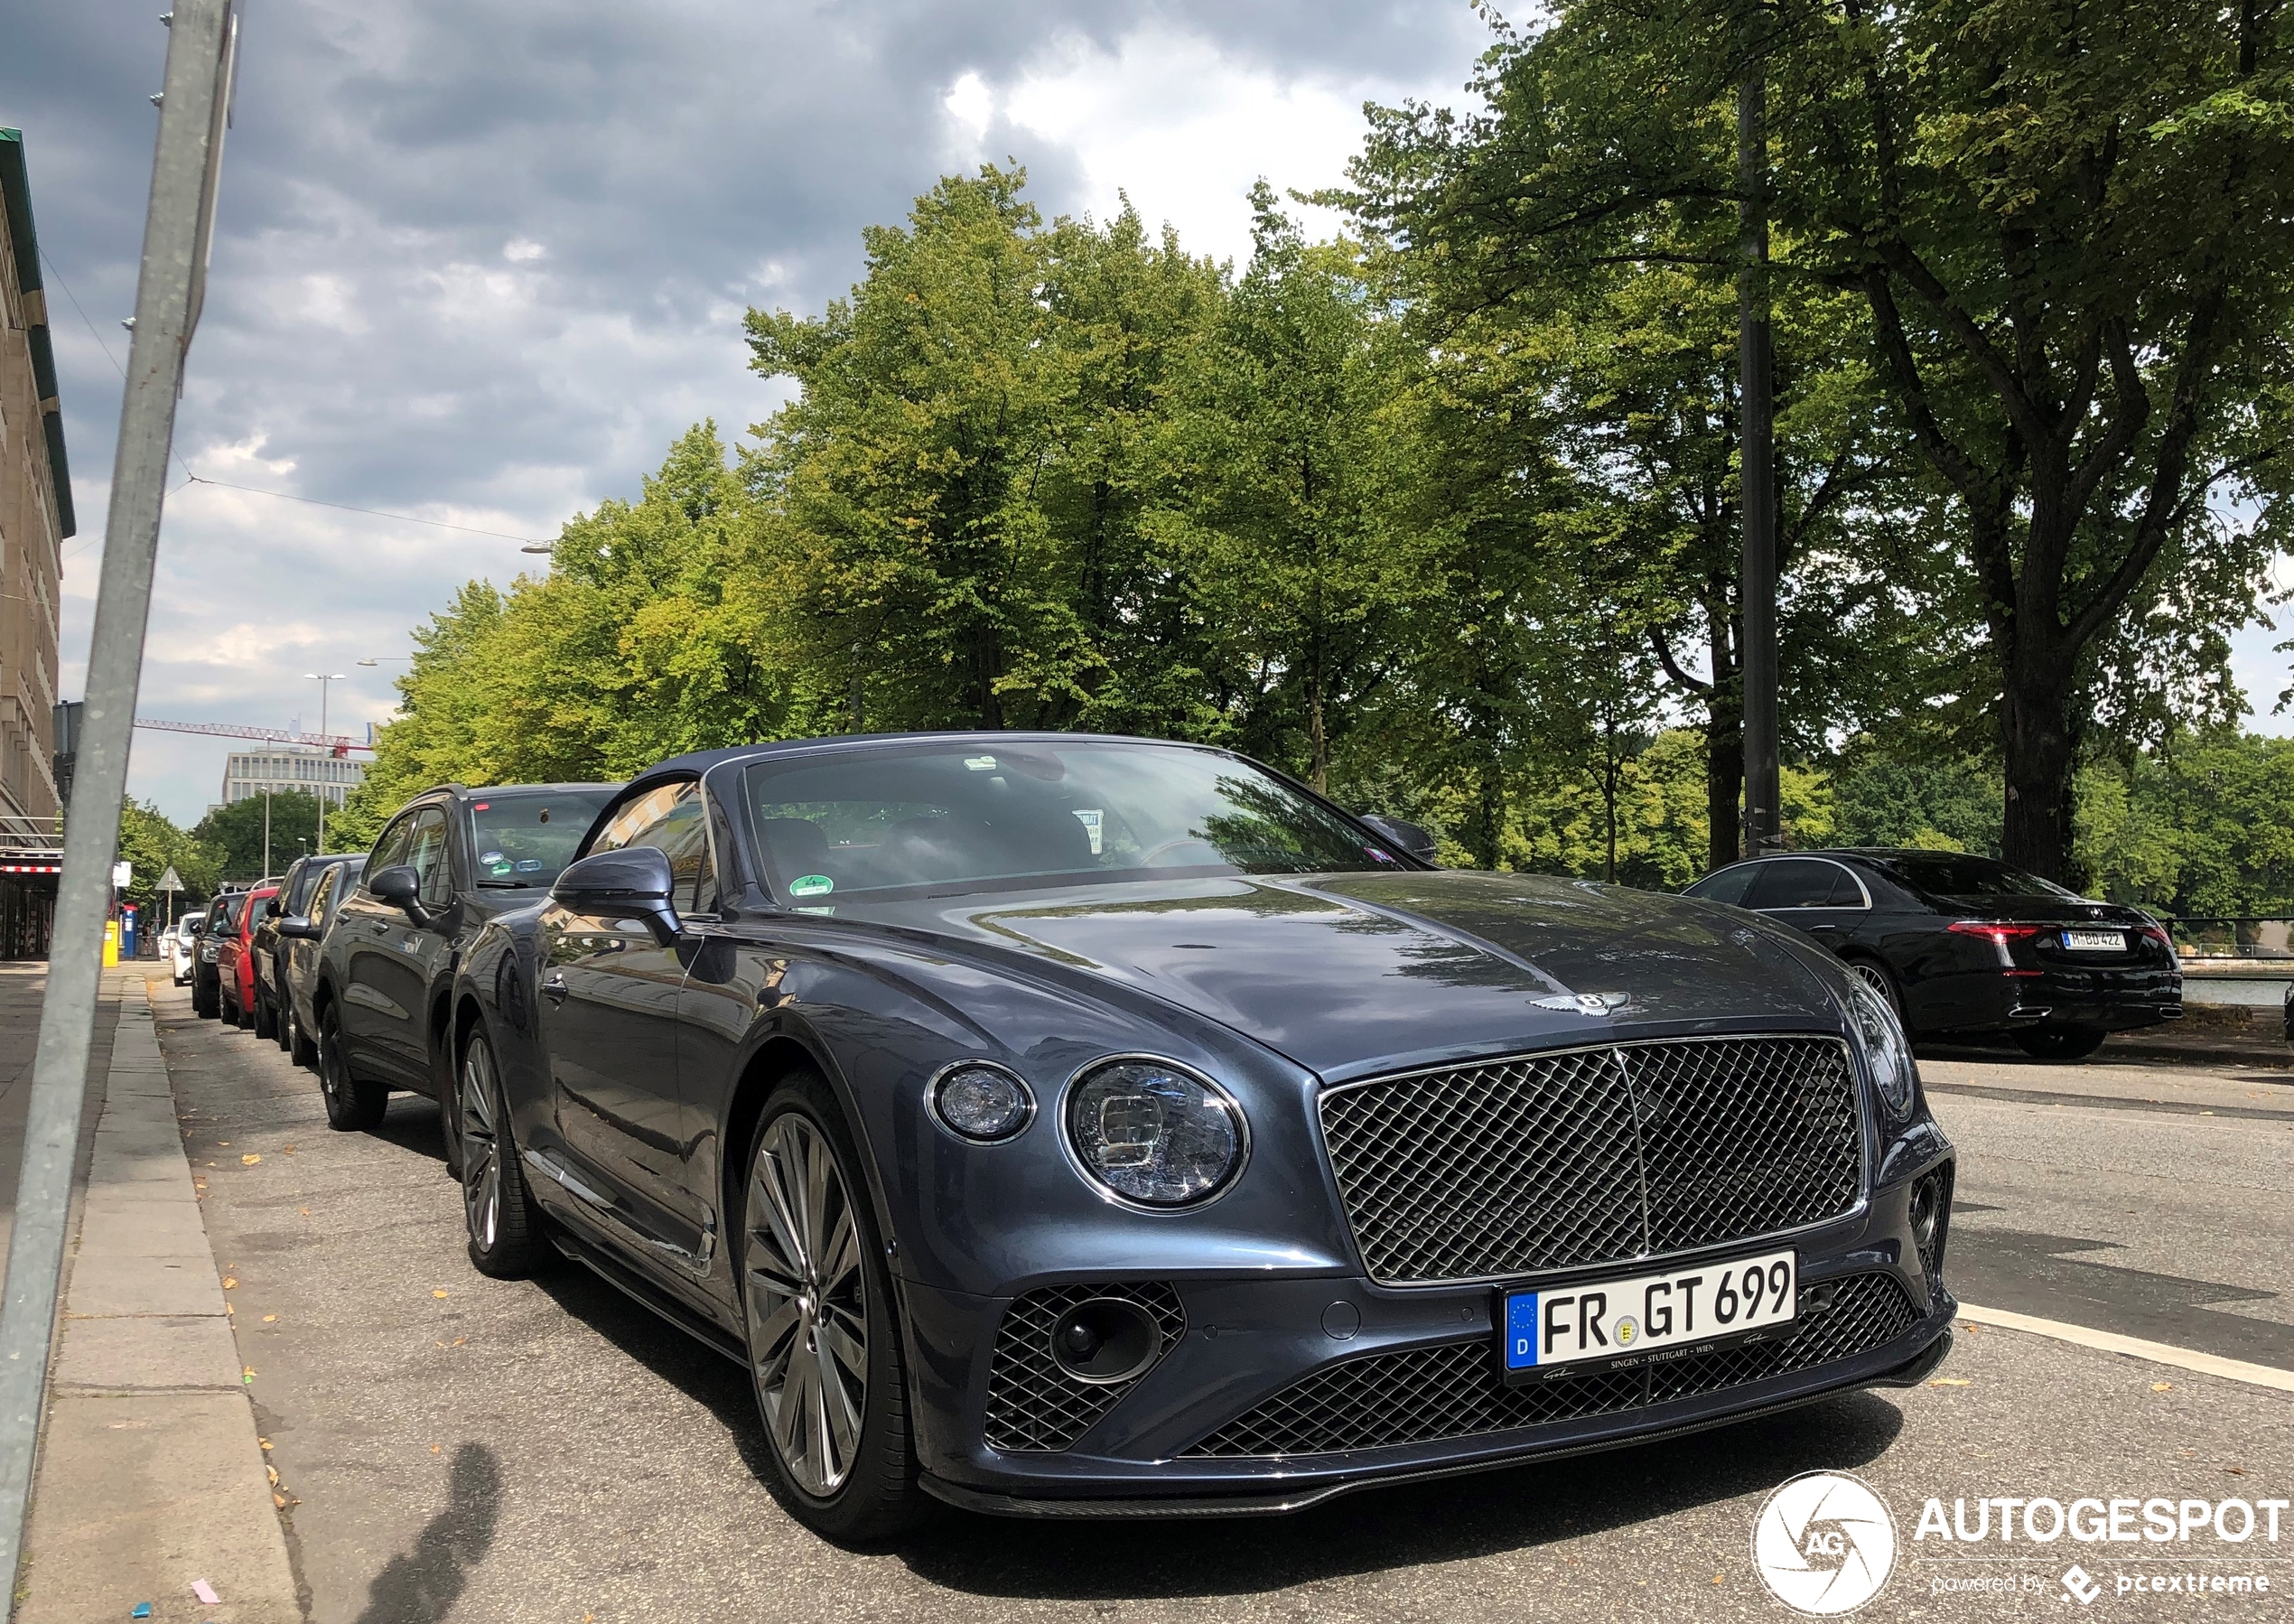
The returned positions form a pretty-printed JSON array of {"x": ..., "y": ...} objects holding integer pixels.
[
  {"x": 970, "y": 104},
  {"x": 520, "y": 250}
]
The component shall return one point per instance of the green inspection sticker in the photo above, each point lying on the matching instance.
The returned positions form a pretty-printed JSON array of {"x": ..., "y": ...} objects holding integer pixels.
[{"x": 811, "y": 885}]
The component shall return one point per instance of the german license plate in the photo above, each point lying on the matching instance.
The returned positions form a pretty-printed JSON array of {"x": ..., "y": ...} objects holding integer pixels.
[
  {"x": 2096, "y": 941},
  {"x": 1645, "y": 1319}
]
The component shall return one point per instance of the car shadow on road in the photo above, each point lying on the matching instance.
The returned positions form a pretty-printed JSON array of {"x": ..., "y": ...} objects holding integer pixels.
[
  {"x": 1456, "y": 1519},
  {"x": 412, "y": 1124},
  {"x": 702, "y": 1374},
  {"x": 421, "y": 1585}
]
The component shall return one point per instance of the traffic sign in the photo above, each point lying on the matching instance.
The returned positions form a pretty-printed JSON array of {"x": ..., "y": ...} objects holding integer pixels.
[{"x": 171, "y": 880}]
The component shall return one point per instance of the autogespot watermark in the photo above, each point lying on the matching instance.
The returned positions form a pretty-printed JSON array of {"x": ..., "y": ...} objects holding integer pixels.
[{"x": 1826, "y": 1544}]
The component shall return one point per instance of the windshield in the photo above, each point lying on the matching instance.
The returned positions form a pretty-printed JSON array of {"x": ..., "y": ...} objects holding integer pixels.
[
  {"x": 524, "y": 837},
  {"x": 1956, "y": 874},
  {"x": 952, "y": 816},
  {"x": 234, "y": 910}
]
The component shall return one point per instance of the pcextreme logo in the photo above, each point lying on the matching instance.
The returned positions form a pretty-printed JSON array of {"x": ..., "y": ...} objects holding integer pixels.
[{"x": 1824, "y": 1543}]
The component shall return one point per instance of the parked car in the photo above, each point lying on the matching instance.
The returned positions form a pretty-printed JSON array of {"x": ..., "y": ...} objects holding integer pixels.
[
  {"x": 293, "y": 901},
  {"x": 304, "y": 937},
  {"x": 1962, "y": 945},
  {"x": 206, "y": 985},
  {"x": 180, "y": 946},
  {"x": 449, "y": 860},
  {"x": 1069, "y": 1125},
  {"x": 234, "y": 956}
]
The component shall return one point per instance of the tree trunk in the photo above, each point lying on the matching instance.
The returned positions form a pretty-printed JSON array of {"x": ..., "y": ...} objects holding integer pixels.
[
  {"x": 1724, "y": 751},
  {"x": 2040, "y": 751}
]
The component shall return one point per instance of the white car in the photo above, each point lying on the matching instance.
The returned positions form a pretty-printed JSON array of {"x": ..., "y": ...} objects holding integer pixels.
[{"x": 179, "y": 944}]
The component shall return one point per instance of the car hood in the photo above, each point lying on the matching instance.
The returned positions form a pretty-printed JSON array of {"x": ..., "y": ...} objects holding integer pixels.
[{"x": 1350, "y": 973}]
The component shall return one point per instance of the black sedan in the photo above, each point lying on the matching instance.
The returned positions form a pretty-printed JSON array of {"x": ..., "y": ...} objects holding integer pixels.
[
  {"x": 1961, "y": 945},
  {"x": 1065, "y": 1125}
]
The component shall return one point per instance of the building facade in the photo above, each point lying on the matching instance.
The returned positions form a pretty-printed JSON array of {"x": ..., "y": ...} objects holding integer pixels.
[
  {"x": 248, "y": 773},
  {"x": 35, "y": 517}
]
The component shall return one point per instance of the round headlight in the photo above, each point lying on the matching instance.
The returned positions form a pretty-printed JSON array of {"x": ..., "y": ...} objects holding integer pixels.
[
  {"x": 1881, "y": 1038},
  {"x": 1154, "y": 1133},
  {"x": 982, "y": 1102}
]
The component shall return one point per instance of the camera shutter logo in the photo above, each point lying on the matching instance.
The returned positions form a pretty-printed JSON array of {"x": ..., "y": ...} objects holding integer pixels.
[{"x": 1824, "y": 1543}]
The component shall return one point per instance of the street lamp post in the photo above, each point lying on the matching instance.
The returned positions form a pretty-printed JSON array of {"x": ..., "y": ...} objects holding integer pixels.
[{"x": 323, "y": 679}]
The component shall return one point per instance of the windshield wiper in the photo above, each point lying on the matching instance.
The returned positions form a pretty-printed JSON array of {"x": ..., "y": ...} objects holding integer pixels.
[{"x": 504, "y": 885}]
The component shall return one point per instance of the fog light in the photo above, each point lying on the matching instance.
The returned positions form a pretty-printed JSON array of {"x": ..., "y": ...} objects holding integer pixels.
[
  {"x": 1105, "y": 1339},
  {"x": 1931, "y": 1199},
  {"x": 983, "y": 1103}
]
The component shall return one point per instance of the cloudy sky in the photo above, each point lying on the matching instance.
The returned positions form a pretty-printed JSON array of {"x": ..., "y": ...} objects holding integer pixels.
[{"x": 479, "y": 261}]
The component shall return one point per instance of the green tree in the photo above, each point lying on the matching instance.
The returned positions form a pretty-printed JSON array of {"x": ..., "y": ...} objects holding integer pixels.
[
  {"x": 1287, "y": 459},
  {"x": 236, "y": 834},
  {"x": 151, "y": 844},
  {"x": 2068, "y": 227}
]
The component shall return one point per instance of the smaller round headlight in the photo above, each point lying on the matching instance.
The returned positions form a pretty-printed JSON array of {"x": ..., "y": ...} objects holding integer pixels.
[
  {"x": 1154, "y": 1133},
  {"x": 986, "y": 1103},
  {"x": 1881, "y": 1036}
]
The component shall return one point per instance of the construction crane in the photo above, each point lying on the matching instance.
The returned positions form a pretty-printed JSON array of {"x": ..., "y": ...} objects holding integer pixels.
[{"x": 337, "y": 744}]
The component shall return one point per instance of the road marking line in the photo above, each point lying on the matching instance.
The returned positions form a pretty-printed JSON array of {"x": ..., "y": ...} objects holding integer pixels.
[{"x": 2111, "y": 1341}]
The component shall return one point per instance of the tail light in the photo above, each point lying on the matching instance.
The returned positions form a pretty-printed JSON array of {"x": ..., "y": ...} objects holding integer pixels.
[{"x": 1999, "y": 933}]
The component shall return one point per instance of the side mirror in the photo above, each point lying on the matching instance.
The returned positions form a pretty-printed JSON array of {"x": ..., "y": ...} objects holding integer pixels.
[
  {"x": 1408, "y": 836},
  {"x": 271, "y": 909},
  {"x": 297, "y": 927},
  {"x": 635, "y": 880},
  {"x": 401, "y": 887}
]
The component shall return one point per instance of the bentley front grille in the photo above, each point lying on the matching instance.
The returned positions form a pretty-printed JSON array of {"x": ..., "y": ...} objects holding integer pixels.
[
  {"x": 1427, "y": 1394},
  {"x": 1034, "y": 1404},
  {"x": 1511, "y": 1166}
]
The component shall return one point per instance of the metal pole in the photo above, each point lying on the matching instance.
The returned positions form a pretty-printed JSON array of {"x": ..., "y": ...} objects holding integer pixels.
[
  {"x": 266, "y": 831},
  {"x": 190, "y": 121},
  {"x": 1756, "y": 393}
]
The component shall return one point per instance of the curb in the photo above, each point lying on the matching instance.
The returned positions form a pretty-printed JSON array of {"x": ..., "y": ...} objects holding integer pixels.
[{"x": 151, "y": 1474}]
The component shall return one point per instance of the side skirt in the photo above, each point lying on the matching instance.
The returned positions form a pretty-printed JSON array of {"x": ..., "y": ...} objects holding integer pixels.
[{"x": 638, "y": 1289}]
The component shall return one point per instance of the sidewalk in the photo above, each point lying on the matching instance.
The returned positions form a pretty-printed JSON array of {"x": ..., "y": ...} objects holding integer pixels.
[{"x": 151, "y": 1474}]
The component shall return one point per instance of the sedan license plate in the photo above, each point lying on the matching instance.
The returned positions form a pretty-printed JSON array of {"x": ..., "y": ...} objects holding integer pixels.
[
  {"x": 1645, "y": 1319},
  {"x": 2096, "y": 941}
]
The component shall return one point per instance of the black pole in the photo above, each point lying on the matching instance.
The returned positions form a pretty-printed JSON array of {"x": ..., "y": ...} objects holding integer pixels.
[{"x": 1763, "y": 823}]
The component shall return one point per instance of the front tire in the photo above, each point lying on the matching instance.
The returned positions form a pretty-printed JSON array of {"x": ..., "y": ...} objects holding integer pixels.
[
  {"x": 299, "y": 1049},
  {"x": 267, "y": 1024},
  {"x": 203, "y": 1002},
  {"x": 498, "y": 1211},
  {"x": 824, "y": 1344},
  {"x": 352, "y": 1107},
  {"x": 2059, "y": 1042}
]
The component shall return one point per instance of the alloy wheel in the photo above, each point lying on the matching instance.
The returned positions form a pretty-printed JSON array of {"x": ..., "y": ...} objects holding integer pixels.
[
  {"x": 482, "y": 1147},
  {"x": 807, "y": 1304},
  {"x": 1876, "y": 978}
]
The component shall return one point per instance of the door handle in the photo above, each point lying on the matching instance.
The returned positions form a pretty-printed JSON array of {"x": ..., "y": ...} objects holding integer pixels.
[{"x": 554, "y": 988}]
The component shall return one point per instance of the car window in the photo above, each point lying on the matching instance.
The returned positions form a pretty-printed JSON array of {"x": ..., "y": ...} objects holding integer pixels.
[
  {"x": 234, "y": 910},
  {"x": 673, "y": 818},
  {"x": 426, "y": 852},
  {"x": 323, "y": 899},
  {"x": 390, "y": 851},
  {"x": 527, "y": 836},
  {"x": 1726, "y": 885},
  {"x": 306, "y": 882},
  {"x": 1959, "y": 875},
  {"x": 1805, "y": 883},
  {"x": 953, "y": 815}
]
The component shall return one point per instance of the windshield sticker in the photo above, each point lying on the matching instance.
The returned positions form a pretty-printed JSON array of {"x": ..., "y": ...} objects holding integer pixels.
[
  {"x": 980, "y": 763},
  {"x": 811, "y": 885},
  {"x": 1090, "y": 820}
]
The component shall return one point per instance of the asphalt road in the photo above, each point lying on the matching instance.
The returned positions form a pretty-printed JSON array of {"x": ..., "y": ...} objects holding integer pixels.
[{"x": 457, "y": 1448}]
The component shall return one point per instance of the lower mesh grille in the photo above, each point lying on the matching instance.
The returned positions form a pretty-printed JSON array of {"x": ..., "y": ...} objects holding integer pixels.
[
  {"x": 1454, "y": 1391},
  {"x": 1034, "y": 1406}
]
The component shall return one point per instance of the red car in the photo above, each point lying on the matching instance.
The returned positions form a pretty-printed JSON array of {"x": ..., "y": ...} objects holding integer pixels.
[{"x": 235, "y": 960}]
